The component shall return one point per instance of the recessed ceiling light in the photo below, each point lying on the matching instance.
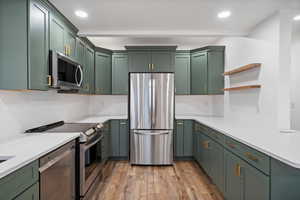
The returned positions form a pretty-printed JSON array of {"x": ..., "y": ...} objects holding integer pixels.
[
  {"x": 80, "y": 13},
  {"x": 297, "y": 18},
  {"x": 224, "y": 14}
]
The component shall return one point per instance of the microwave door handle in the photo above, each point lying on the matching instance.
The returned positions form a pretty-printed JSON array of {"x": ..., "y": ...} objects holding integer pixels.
[{"x": 81, "y": 75}]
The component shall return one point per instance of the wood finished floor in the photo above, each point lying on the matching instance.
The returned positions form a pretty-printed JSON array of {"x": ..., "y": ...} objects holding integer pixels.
[{"x": 183, "y": 181}]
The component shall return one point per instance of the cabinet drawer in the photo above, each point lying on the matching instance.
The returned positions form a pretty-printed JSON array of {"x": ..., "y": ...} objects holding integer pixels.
[
  {"x": 218, "y": 137},
  {"x": 252, "y": 156},
  {"x": 17, "y": 182}
]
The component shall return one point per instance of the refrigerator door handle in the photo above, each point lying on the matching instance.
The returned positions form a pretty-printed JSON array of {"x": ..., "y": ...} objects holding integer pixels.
[{"x": 151, "y": 132}]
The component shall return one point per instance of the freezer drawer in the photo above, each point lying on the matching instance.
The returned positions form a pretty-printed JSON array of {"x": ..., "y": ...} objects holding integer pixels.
[{"x": 151, "y": 147}]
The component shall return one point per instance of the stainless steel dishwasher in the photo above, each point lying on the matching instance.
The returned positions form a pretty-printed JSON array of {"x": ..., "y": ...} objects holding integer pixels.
[{"x": 57, "y": 174}]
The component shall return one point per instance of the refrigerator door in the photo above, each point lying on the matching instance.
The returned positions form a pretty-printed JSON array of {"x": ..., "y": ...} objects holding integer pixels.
[
  {"x": 162, "y": 109},
  {"x": 150, "y": 147},
  {"x": 140, "y": 100}
]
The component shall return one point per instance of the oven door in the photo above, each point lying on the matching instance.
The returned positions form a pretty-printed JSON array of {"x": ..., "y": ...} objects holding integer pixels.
[
  {"x": 91, "y": 163},
  {"x": 65, "y": 72}
]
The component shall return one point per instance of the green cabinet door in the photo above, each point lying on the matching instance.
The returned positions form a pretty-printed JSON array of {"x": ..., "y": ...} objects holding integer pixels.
[
  {"x": 57, "y": 31},
  {"x": 256, "y": 184},
  {"x": 103, "y": 73},
  {"x": 215, "y": 72},
  {"x": 38, "y": 46},
  {"x": 179, "y": 138},
  {"x": 199, "y": 73},
  {"x": 32, "y": 193},
  {"x": 233, "y": 177},
  {"x": 124, "y": 138},
  {"x": 139, "y": 61},
  {"x": 205, "y": 155},
  {"x": 120, "y": 73},
  {"x": 115, "y": 138},
  {"x": 80, "y": 52},
  {"x": 188, "y": 138},
  {"x": 217, "y": 165},
  {"x": 162, "y": 61},
  {"x": 70, "y": 44},
  {"x": 182, "y": 73},
  {"x": 88, "y": 71}
]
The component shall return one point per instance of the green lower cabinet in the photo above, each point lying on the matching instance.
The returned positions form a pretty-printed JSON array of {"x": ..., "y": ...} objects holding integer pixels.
[
  {"x": 216, "y": 163},
  {"x": 32, "y": 193},
  {"x": 119, "y": 139},
  {"x": 19, "y": 181},
  {"x": 182, "y": 74},
  {"x": 183, "y": 138},
  {"x": 106, "y": 142},
  {"x": 124, "y": 138},
  {"x": 102, "y": 73},
  {"x": 244, "y": 182},
  {"x": 120, "y": 73}
]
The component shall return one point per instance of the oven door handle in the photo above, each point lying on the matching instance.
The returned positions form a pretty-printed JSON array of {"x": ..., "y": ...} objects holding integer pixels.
[
  {"x": 93, "y": 143},
  {"x": 54, "y": 161}
]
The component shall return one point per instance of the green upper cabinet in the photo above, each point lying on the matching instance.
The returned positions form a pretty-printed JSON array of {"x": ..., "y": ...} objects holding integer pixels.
[
  {"x": 24, "y": 45},
  {"x": 182, "y": 73},
  {"x": 151, "y": 58},
  {"x": 162, "y": 61},
  {"x": 207, "y": 67},
  {"x": 38, "y": 46},
  {"x": 80, "y": 52},
  {"x": 57, "y": 32},
  {"x": 86, "y": 55},
  {"x": 70, "y": 44},
  {"x": 62, "y": 35},
  {"x": 103, "y": 73},
  {"x": 120, "y": 73},
  {"x": 199, "y": 73},
  {"x": 139, "y": 61}
]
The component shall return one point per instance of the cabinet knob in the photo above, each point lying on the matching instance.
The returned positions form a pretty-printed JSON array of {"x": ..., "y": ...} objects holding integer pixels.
[{"x": 251, "y": 157}]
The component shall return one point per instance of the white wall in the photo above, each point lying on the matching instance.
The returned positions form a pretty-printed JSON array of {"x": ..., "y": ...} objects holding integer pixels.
[
  {"x": 24, "y": 110},
  {"x": 256, "y": 107},
  {"x": 184, "y": 105},
  {"x": 295, "y": 63}
]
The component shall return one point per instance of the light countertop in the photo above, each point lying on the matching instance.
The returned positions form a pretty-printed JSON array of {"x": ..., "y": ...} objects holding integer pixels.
[
  {"x": 29, "y": 148},
  {"x": 281, "y": 146}
]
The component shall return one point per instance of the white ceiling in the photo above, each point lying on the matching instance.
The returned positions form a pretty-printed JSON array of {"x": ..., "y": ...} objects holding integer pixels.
[{"x": 119, "y": 22}]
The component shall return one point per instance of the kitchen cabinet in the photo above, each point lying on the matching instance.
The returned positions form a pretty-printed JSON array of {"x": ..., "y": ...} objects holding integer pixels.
[
  {"x": 19, "y": 181},
  {"x": 183, "y": 139},
  {"x": 120, "y": 73},
  {"x": 103, "y": 73},
  {"x": 24, "y": 44},
  {"x": 182, "y": 74},
  {"x": 106, "y": 152},
  {"x": 80, "y": 52},
  {"x": 151, "y": 59},
  {"x": 88, "y": 67},
  {"x": 119, "y": 139},
  {"x": 207, "y": 67},
  {"x": 62, "y": 37},
  {"x": 244, "y": 182},
  {"x": 32, "y": 193}
]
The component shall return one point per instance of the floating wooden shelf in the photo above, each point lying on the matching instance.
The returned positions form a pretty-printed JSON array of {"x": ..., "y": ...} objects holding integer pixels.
[
  {"x": 242, "y": 69},
  {"x": 246, "y": 87}
]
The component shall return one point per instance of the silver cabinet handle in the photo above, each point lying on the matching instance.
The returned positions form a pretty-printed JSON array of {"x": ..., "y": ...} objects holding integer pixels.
[{"x": 123, "y": 123}]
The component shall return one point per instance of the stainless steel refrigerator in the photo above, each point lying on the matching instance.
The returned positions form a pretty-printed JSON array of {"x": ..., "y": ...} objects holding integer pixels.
[{"x": 151, "y": 115}]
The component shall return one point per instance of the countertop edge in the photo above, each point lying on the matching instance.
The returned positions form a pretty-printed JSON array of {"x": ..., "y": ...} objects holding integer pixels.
[{"x": 36, "y": 157}]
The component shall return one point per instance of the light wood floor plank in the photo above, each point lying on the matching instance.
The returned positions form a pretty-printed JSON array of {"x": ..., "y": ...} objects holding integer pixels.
[{"x": 183, "y": 181}]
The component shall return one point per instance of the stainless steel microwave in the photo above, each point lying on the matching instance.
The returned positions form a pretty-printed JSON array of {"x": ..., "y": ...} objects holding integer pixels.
[{"x": 64, "y": 72}]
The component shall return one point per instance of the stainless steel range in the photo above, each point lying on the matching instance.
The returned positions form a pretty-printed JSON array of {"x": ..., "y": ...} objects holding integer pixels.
[{"x": 90, "y": 156}]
